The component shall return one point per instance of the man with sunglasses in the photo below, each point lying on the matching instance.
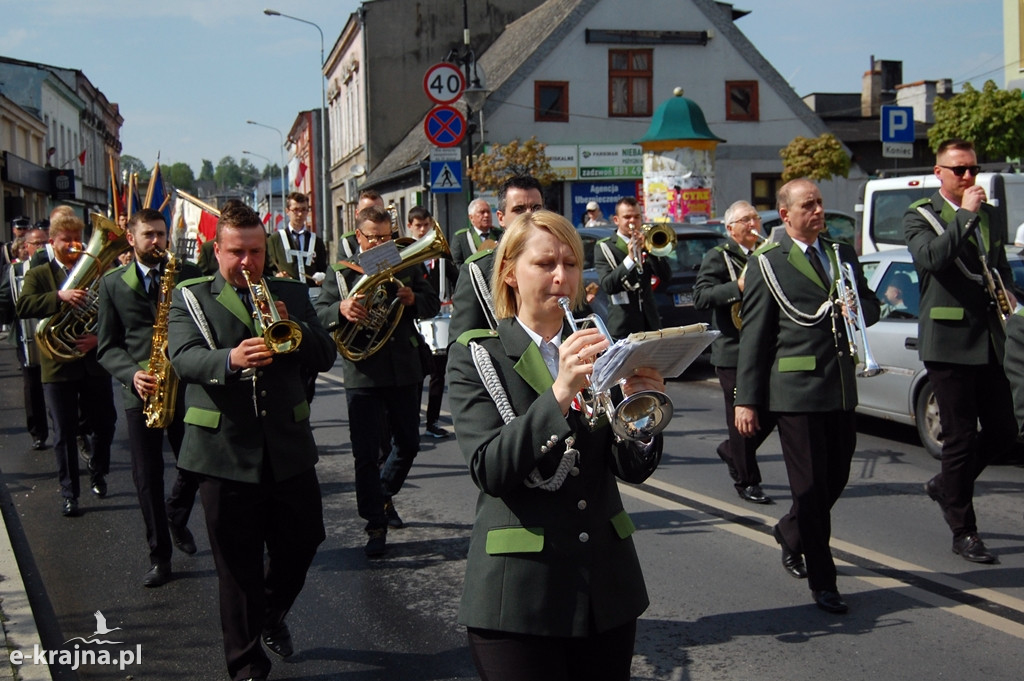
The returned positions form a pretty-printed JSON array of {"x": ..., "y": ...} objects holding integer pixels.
[
  {"x": 388, "y": 382},
  {"x": 953, "y": 237}
]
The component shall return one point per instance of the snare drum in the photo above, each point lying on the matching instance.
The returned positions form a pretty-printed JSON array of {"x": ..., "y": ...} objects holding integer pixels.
[{"x": 435, "y": 332}]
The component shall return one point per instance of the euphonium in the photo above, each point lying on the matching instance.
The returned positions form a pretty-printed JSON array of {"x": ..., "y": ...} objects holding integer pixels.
[
  {"x": 57, "y": 334},
  {"x": 639, "y": 417},
  {"x": 281, "y": 335},
  {"x": 358, "y": 340},
  {"x": 158, "y": 407},
  {"x": 856, "y": 327}
]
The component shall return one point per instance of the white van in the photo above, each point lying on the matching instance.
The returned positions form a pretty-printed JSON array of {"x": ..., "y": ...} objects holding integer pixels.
[{"x": 887, "y": 199}]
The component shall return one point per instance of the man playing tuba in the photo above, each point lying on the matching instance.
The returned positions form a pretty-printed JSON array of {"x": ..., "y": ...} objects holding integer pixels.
[
  {"x": 78, "y": 383},
  {"x": 386, "y": 384}
]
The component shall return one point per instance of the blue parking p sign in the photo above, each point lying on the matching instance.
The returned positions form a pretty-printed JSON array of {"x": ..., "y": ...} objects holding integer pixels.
[{"x": 897, "y": 124}]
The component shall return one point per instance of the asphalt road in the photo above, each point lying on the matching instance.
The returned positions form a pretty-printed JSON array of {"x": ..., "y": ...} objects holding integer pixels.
[{"x": 721, "y": 605}]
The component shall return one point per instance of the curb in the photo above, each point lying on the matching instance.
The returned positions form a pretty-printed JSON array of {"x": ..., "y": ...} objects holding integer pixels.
[{"x": 19, "y": 625}]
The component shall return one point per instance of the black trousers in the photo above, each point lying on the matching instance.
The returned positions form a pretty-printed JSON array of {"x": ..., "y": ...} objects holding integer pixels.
[
  {"x": 968, "y": 395},
  {"x": 503, "y": 656},
  {"x": 147, "y": 451},
  {"x": 818, "y": 449},
  {"x": 94, "y": 396},
  {"x": 242, "y": 519},
  {"x": 35, "y": 402},
  {"x": 435, "y": 388},
  {"x": 738, "y": 451}
]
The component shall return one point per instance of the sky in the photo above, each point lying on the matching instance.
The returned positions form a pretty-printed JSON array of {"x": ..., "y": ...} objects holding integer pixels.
[{"x": 187, "y": 74}]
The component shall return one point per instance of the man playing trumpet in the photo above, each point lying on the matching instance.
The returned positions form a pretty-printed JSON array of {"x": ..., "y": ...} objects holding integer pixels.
[{"x": 625, "y": 270}]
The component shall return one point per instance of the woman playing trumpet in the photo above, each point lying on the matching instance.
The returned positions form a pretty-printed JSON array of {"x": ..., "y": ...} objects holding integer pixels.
[{"x": 553, "y": 586}]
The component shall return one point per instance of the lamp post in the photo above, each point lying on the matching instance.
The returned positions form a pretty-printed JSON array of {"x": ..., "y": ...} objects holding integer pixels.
[
  {"x": 324, "y": 169},
  {"x": 270, "y": 200},
  {"x": 281, "y": 151}
]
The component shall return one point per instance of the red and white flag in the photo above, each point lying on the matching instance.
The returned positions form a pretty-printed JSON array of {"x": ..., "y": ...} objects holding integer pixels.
[{"x": 81, "y": 157}]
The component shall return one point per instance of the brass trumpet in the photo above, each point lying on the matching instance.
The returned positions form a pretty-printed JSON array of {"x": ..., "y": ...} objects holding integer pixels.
[
  {"x": 856, "y": 327},
  {"x": 281, "y": 335},
  {"x": 659, "y": 240}
]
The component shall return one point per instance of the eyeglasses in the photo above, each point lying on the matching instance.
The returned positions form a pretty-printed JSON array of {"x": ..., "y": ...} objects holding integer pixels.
[
  {"x": 960, "y": 171},
  {"x": 375, "y": 238},
  {"x": 299, "y": 209},
  {"x": 749, "y": 219},
  {"x": 519, "y": 210},
  {"x": 36, "y": 243}
]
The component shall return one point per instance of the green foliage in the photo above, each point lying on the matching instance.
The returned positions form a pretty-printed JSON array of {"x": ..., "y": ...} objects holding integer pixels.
[
  {"x": 515, "y": 158},
  {"x": 227, "y": 173},
  {"x": 179, "y": 175},
  {"x": 206, "y": 172},
  {"x": 991, "y": 119},
  {"x": 133, "y": 165},
  {"x": 820, "y": 158}
]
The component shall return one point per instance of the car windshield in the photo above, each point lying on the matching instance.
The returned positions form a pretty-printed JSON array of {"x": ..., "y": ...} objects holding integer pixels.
[
  {"x": 690, "y": 253},
  {"x": 887, "y": 209}
]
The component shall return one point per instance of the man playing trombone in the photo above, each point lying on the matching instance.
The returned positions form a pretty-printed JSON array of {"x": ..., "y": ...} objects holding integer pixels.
[
  {"x": 957, "y": 241},
  {"x": 795, "y": 359},
  {"x": 625, "y": 270}
]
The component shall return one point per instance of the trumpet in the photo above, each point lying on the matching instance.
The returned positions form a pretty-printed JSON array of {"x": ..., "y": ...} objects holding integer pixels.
[
  {"x": 846, "y": 288},
  {"x": 996, "y": 290},
  {"x": 281, "y": 335},
  {"x": 659, "y": 240},
  {"x": 638, "y": 417}
]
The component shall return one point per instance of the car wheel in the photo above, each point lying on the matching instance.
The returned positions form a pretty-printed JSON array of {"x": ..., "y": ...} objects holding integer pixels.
[{"x": 929, "y": 427}]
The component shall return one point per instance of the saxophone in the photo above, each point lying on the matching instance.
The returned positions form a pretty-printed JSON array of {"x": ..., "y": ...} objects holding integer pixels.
[{"x": 158, "y": 407}]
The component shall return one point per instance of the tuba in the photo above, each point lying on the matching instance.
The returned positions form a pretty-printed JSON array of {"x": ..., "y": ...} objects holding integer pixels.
[
  {"x": 281, "y": 335},
  {"x": 57, "y": 334},
  {"x": 358, "y": 340},
  {"x": 158, "y": 407},
  {"x": 639, "y": 417}
]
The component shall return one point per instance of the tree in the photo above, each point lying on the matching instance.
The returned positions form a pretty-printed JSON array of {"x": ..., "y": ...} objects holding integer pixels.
[
  {"x": 515, "y": 158},
  {"x": 819, "y": 158},
  {"x": 227, "y": 174},
  {"x": 991, "y": 119},
  {"x": 206, "y": 172},
  {"x": 179, "y": 175},
  {"x": 132, "y": 165}
]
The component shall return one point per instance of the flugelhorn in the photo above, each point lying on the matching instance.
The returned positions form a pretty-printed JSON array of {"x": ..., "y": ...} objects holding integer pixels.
[
  {"x": 638, "y": 417},
  {"x": 856, "y": 327},
  {"x": 281, "y": 335}
]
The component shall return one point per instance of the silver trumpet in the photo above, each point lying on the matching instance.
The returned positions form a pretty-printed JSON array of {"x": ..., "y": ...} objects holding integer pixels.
[
  {"x": 638, "y": 417},
  {"x": 856, "y": 328}
]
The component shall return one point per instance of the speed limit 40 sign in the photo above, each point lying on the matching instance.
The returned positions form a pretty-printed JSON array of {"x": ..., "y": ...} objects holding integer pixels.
[{"x": 444, "y": 83}]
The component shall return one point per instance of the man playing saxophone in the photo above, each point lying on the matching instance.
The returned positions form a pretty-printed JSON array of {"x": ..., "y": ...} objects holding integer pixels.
[
  {"x": 129, "y": 299},
  {"x": 78, "y": 383},
  {"x": 387, "y": 382}
]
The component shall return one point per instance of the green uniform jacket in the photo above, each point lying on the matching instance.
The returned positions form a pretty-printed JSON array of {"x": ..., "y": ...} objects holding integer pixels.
[
  {"x": 541, "y": 562},
  {"x": 958, "y": 322},
  {"x": 467, "y": 241},
  {"x": 715, "y": 290},
  {"x": 276, "y": 254},
  {"x": 1014, "y": 363},
  {"x": 468, "y": 311},
  {"x": 39, "y": 300},
  {"x": 785, "y": 366},
  {"x": 233, "y": 422},
  {"x": 207, "y": 263},
  {"x": 624, "y": 319},
  {"x": 398, "y": 361},
  {"x": 125, "y": 325}
]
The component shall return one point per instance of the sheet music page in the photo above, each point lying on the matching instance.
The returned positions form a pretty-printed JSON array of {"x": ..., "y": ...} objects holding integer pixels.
[
  {"x": 669, "y": 351},
  {"x": 379, "y": 257}
]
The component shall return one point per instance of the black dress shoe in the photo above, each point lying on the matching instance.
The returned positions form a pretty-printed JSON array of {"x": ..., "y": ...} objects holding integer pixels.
[
  {"x": 183, "y": 539},
  {"x": 792, "y": 561},
  {"x": 754, "y": 494},
  {"x": 830, "y": 601},
  {"x": 158, "y": 575},
  {"x": 99, "y": 486},
  {"x": 278, "y": 640},
  {"x": 38, "y": 444},
  {"x": 376, "y": 544},
  {"x": 970, "y": 547},
  {"x": 69, "y": 507},
  {"x": 394, "y": 520},
  {"x": 934, "y": 492}
]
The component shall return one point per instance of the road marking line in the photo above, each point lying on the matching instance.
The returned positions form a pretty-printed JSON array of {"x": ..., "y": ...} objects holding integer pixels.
[{"x": 974, "y": 613}]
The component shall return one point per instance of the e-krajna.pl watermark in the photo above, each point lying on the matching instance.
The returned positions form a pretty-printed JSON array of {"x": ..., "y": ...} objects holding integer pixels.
[{"x": 78, "y": 656}]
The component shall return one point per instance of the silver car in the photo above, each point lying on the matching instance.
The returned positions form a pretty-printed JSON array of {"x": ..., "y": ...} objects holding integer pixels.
[{"x": 902, "y": 392}]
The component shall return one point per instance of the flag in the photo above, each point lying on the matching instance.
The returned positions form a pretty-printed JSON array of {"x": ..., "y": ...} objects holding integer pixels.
[
  {"x": 134, "y": 202},
  {"x": 81, "y": 157},
  {"x": 156, "y": 194},
  {"x": 278, "y": 219},
  {"x": 200, "y": 218},
  {"x": 115, "y": 196},
  {"x": 301, "y": 175},
  {"x": 266, "y": 219}
]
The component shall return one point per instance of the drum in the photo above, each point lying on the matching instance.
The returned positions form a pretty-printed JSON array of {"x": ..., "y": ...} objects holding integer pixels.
[{"x": 435, "y": 332}]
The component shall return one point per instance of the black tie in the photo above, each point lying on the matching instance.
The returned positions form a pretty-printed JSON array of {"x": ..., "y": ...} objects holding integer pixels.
[
  {"x": 812, "y": 255},
  {"x": 154, "y": 285}
]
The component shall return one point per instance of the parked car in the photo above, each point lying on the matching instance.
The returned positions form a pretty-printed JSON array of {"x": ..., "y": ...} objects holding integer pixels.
[
  {"x": 901, "y": 392},
  {"x": 839, "y": 225},
  {"x": 673, "y": 297}
]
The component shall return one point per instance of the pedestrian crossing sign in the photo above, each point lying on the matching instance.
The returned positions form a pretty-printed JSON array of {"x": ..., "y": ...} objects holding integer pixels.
[{"x": 445, "y": 177}]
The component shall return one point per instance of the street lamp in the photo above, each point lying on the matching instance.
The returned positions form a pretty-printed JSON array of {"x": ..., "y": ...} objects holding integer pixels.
[
  {"x": 324, "y": 169},
  {"x": 270, "y": 200},
  {"x": 284, "y": 203}
]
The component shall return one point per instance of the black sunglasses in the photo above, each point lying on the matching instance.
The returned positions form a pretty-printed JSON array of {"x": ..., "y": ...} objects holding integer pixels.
[{"x": 960, "y": 171}]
